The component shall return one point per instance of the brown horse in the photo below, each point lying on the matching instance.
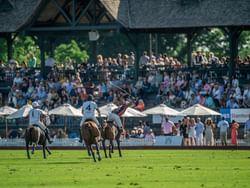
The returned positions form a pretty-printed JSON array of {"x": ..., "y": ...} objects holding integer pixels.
[
  {"x": 109, "y": 132},
  {"x": 91, "y": 136},
  {"x": 36, "y": 136}
]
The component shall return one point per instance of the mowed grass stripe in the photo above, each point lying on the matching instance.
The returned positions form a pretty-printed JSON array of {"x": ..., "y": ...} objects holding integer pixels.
[{"x": 138, "y": 168}]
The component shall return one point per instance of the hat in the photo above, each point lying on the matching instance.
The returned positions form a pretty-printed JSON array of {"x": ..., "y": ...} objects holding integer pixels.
[{"x": 35, "y": 104}]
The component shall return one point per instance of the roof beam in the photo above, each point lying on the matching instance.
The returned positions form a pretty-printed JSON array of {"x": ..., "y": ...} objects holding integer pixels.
[
  {"x": 77, "y": 28},
  {"x": 62, "y": 11},
  {"x": 83, "y": 11},
  {"x": 63, "y": 7}
]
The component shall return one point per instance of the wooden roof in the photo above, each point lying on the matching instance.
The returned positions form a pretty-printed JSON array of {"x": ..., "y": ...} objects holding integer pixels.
[
  {"x": 153, "y": 14},
  {"x": 15, "y": 19},
  {"x": 141, "y": 14}
]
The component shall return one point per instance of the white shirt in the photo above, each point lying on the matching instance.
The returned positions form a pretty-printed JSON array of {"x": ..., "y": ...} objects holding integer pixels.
[
  {"x": 50, "y": 62},
  {"x": 89, "y": 108},
  {"x": 35, "y": 115},
  {"x": 223, "y": 125}
]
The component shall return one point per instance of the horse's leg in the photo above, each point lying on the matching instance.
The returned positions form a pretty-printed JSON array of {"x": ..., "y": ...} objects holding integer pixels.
[
  {"x": 33, "y": 149},
  {"x": 119, "y": 146},
  {"x": 27, "y": 149},
  {"x": 46, "y": 147},
  {"x": 88, "y": 150},
  {"x": 44, "y": 154},
  {"x": 110, "y": 148},
  {"x": 104, "y": 148},
  {"x": 98, "y": 151},
  {"x": 92, "y": 152}
]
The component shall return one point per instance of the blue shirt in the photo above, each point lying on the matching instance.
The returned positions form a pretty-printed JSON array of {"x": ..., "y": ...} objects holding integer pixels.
[
  {"x": 199, "y": 128},
  {"x": 247, "y": 126}
]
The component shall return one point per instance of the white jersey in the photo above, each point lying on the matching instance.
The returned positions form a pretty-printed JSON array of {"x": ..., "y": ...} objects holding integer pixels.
[
  {"x": 89, "y": 108},
  {"x": 35, "y": 116}
]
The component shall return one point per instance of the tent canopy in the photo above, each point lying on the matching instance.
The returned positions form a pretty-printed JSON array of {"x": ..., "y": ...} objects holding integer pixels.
[
  {"x": 66, "y": 110},
  {"x": 199, "y": 110},
  {"x": 162, "y": 109},
  {"x": 21, "y": 113},
  {"x": 7, "y": 110}
]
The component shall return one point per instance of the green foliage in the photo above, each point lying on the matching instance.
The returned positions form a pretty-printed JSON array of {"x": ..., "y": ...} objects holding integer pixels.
[
  {"x": 3, "y": 49},
  {"x": 173, "y": 45},
  {"x": 244, "y": 44},
  {"x": 214, "y": 41},
  {"x": 23, "y": 47},
  {"x": 72, "y": 51}
]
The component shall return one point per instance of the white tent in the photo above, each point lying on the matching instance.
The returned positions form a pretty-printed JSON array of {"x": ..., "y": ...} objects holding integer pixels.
[
  {"x": 66, "y": 110},
  {"x": 22, "y": 112},
  {"x": 131, "y": 112},
  {"x": 106, "y": 109},
  {"x": 162, "y": 109},
  {"x": 199, "y": 110},
  {"x": 5, "y": 111}
]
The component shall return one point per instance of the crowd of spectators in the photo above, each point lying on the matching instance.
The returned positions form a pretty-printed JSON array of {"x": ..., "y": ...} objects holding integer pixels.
[{"x": 71, "y": 84}]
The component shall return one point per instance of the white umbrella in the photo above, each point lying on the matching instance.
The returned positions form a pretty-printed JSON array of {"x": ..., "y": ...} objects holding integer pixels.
[
  {"x": 199, "y": 110},
  {"x": 131, "y": 112},
  {"x": 22, "y": 112},
  {"x": 106, "y": 109},
  {"x": 66, "y": 110},
  {"x": 5, "y": 111},
  {"x": 162, "y": 109}
]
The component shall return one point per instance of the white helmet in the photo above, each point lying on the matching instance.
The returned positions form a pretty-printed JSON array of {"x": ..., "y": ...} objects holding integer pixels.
[{"x": 35, "y": 104}]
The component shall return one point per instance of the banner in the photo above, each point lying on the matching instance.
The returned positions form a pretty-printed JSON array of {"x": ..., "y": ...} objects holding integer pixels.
[
  {"x": 240, "y": 115},
  {"x": 226, "y": 113},
  {"x": 168, "y": 141}
]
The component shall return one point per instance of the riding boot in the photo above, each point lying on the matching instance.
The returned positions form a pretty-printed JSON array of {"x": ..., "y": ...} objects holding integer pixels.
[
  {"x": 80, "y": 140},
  {"x": 47, "y": 136}
]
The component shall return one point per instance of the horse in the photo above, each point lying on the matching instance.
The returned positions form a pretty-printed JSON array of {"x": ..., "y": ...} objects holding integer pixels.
[
  {"x": 109, "y": 132},
  {"x": 36, "y": 136},
  {"x": 91, "y": 136}
]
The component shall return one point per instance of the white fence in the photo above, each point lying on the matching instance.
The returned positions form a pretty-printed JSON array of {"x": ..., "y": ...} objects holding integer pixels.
[{"x": 159, "y": 141}]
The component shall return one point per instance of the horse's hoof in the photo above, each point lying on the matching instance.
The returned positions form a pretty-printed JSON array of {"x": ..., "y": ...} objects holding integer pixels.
[{"x": 99, "y": 159}]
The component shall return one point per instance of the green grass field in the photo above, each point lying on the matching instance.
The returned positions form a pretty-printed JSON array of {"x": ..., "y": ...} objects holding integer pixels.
[{"x": 137, "y": 169}]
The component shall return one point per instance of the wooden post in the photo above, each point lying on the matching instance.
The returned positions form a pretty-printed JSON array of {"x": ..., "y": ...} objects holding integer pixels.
[
  {"x": 42, "y": 54},
  {"x": 189, "y": 49},
  {"x": 9, "y": 45},
  {"x": 234, "y": 34}
]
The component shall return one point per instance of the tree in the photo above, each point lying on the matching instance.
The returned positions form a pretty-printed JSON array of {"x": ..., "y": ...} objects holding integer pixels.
[
  {"x": 72, "y": 51},
  {"x": 23, "y": 47},
  {"x": 3, "y": 50}
]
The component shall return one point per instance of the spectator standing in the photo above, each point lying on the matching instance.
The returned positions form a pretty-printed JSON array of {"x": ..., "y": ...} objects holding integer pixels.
[
  {"x": 32, "y": 61},
  {"x": 192, "y": 132},
  {"x": 167, "y": 127},
  {"x": 209, "y": 135},
  {"x": 199, "y": 132},
  {"x": 234, "y": 132},
  {"x": 144, "y": 59},
  {"x": 247, "y": 130},
  {"x": 223, "y": 125},
  {"x": 184, "y": 131}
]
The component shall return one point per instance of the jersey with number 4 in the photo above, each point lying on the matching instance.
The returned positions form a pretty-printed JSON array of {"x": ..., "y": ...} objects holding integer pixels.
[{"x": 89, "y": 108}]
